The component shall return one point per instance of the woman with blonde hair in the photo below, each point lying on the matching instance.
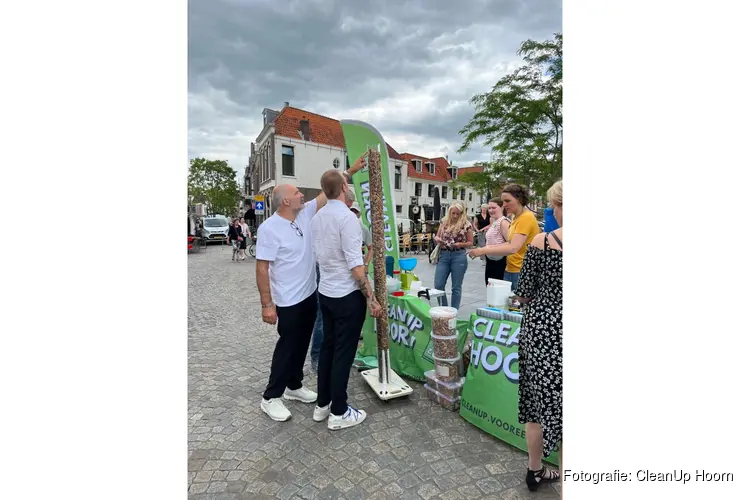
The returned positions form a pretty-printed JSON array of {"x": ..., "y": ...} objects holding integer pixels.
[
  {"x": 540, "y": 347},
  {"x": 454, "y": 236}
]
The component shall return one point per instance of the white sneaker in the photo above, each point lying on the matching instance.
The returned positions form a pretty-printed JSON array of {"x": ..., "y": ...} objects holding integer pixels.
[
  {"x": 321, "y": 414},
  {"x": 275, "y": 409},
  {"x": 302, "y": 394},
  {"x": 351, "y": 418}
]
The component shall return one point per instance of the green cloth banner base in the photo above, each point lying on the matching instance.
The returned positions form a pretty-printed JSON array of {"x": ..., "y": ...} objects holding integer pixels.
[
  {"x": 489, "y": 399},
  {"x": 409, "y": 328}
]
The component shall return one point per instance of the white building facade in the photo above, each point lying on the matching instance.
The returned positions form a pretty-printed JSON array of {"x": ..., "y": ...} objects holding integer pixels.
[{"x": 296, "y": 147}]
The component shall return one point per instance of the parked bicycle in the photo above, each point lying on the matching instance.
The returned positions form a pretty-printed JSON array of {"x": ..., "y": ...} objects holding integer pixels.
[{"x": 250, "y": 248}]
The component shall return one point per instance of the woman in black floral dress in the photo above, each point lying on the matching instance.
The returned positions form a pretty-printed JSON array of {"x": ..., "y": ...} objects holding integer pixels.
[{"x": 540, "y": 347}]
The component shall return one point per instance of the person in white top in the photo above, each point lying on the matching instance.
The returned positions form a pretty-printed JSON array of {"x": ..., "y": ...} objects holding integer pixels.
[
  {"x": 285, "y": 274},
  {"x": 497, "y": 234},
  {"x": 366, "y": 233},
  {"x": 245, "y": 235},
  {"x": 345, "y": 294}
]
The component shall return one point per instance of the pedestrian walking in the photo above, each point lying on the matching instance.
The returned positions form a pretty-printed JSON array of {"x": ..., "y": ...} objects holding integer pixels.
[
  {"x": 245, "y": 237},
  {"x": 345, "y": 295},
  {"x": 285, "y": 274},
  {"x": 234, "y": 236}
]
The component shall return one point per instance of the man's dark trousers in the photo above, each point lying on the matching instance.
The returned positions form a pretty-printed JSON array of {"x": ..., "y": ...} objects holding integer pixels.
[
  {"x": 295, "y": 324},
  {"x": 342, "y": 325}
]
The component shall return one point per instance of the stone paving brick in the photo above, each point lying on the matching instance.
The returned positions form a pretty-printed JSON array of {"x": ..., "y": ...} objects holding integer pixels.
[{"x": 407, "y": 448}]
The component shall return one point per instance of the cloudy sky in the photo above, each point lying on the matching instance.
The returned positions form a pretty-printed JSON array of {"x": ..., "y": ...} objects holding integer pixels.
[{"x": 408, "y": 68}]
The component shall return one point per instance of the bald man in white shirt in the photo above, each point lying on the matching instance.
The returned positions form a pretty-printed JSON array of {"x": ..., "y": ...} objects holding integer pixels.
[{"x": 285, "y": 274}]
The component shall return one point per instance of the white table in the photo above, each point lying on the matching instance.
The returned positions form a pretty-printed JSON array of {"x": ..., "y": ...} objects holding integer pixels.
[{"x": 433, "y": 292}]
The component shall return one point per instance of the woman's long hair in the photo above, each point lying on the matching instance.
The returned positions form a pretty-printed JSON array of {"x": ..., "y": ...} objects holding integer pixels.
[{"x": 460, "y": 223}]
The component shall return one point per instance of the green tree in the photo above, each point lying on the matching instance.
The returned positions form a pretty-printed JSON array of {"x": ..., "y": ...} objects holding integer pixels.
[
  {"x": 521, "y": 119},
  {"x": 214, "y": 183}
]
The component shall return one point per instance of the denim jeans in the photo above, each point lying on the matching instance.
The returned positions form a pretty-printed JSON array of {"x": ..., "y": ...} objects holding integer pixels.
[
  {"x": 453, "y": 263},
  {"x": 513, "y": 278},
  {"x": 317, "y": 333}
]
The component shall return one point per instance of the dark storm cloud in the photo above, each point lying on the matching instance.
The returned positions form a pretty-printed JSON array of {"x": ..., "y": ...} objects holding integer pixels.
[{"x": 409, "y": 69}]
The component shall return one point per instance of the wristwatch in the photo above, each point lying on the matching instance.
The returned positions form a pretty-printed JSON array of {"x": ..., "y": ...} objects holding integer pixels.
[{"x": 266, "y": 306}]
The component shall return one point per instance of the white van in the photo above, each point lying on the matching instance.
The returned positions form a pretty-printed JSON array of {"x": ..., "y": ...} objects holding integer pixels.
[{"x": 215, "y": 228}]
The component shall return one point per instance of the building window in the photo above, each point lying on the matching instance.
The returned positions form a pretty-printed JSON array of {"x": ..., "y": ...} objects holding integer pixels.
[
  {"x": 399, "y": 209},
  {"x": 455, "y": 193},
  {"x": 463, "y": 194},
  {"x": 418, "y": 189},
  {"x": 444, "y": 192},
  {"x": 417, "y": 165},
  {"x": 431, "y": 168},
  {"x": 397, "y": 179},
  {"x": 469, "y": 196},
  {"x": 287, "y": 161},
  {"x": 430, "y": 190},
  {"x": 453, "y": 173},
  {"x": 336, "y": 163}
]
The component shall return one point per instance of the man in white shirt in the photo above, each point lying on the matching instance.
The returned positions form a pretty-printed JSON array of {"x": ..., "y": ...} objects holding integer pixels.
[
  {"x": 317, "y": 336},
  {"x": 345, "y": 294},
  {"x": 285, "y": 274}
]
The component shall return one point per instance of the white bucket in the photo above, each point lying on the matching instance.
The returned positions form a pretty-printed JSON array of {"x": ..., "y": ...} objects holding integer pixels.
[
  {"x": 498, "y": 297},
  {"x": 498, "y": 283}
]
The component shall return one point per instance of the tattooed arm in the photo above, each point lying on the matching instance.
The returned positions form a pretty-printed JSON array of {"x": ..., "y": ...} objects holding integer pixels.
[
  {"x": 360, "y": 275},
  {"x": 351, "y": 242}
]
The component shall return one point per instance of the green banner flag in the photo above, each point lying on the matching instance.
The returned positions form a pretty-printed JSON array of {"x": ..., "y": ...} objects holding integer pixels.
[
  {"x": 489, "y": 399},
  {"x": 409, "y": 328},
  {"x": 358, "y": 138}
]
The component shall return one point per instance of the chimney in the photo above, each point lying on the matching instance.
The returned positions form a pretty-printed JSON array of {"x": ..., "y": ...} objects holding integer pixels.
[
  {"x": 304, "y": 127},
  {"x": 286, "y": 104},
  {"x": 252, "y": 148}
]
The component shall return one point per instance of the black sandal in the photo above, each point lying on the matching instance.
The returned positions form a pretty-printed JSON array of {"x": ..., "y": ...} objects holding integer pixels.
[{"x": 536, "y": 477}]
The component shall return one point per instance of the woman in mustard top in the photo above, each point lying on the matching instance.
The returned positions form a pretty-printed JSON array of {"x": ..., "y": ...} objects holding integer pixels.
[{"x": 522, "y": 230}]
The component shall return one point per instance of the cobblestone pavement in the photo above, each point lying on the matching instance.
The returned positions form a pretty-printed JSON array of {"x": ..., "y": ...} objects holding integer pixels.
[{"x": 407, "y": 448}]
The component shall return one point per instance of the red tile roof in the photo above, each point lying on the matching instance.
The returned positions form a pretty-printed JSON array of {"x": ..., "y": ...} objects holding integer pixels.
[
  {"x": 441, "y": 168},
  {"x": 392, "y": 153},
  {"x": 468, "y": 170},
  {"x": 323, "y": 130}
]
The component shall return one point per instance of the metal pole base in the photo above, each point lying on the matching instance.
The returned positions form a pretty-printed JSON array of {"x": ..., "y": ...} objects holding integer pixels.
[
  {"x": 384, "y": 381},
  {"x": 396, "y": 388}
]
